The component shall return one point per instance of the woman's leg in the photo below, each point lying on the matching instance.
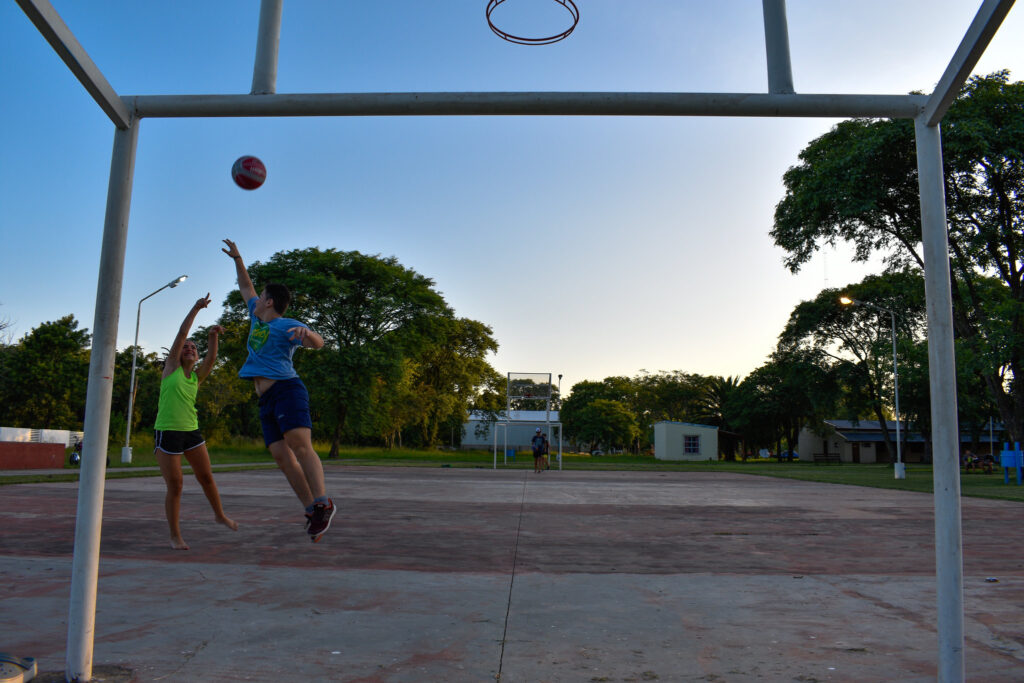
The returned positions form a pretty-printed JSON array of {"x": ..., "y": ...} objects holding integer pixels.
[
  {"x": 170, "y": 468},
  {"x": 199, "y": 459}
]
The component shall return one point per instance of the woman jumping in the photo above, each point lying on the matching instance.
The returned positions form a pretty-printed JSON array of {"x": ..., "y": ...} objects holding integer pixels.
[{"x": 177, "y": 424}]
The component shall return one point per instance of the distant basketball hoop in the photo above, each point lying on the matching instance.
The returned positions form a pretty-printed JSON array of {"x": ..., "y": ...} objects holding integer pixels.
[{"x": 567, "y": 4}]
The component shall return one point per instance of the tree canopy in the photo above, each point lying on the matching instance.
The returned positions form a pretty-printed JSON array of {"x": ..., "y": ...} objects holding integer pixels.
[
  {"x": 858, "y": 184},
  {"x": 396, "y": 361},
  {"x": 43, "y": 377}
]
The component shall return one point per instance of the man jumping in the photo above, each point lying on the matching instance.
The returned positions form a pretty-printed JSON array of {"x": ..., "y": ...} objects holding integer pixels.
[{"x": 284, "y": 401}]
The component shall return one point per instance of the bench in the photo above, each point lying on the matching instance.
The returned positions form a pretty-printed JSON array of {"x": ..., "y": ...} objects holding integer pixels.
[
  {"x": 1012, "y": 459},
  {"x": 827, "y": 458}
]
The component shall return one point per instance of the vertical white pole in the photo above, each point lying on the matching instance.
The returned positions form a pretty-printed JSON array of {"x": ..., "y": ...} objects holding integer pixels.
[
  {"x": 942, "y": 381},
  {"x": 268, "y": 38},
  {"x": 126, "y": 452},
  {"x": 991, "y": 444},
  {"x": 900, "y": 470},
  {"x": 85, "y": 563},
  {"x": 776, "y": 41}
]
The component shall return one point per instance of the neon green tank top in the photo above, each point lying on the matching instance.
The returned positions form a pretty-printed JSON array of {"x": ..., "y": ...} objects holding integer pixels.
[{"x": 177, "y": 407}]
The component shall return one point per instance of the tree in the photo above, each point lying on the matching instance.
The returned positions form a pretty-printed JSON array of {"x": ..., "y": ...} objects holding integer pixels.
[
  {"x": 574, "y": 413},
  {"x": 858, "y": 338},
  {"x": 148, "y": 369},
  {"x": 449, "y": 373},
  {"x": 673, "y": 395},
  {"x": 858, "y": 184},
  {"x": 796, "y": 387},
  {"x": 394, "y": 353},
  {"x": 715, "y": 410},
  {"x": 43, "y": 377},
  {"x": 488, "y": 401},
  {"x": 602, "y": 422}
]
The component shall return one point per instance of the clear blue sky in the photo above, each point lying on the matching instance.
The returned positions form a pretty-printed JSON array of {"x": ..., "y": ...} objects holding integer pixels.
[{"x": 591, "y": 246}]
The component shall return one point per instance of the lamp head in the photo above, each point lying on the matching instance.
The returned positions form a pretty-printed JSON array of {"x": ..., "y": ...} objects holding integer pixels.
[
  {"x": 178, "y": 281},
  {"x": 846, "y": 301}
]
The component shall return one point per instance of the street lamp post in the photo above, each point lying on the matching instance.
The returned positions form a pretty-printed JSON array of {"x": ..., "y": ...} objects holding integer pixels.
[
  {"x": 900, "y": 469},
  {"x": 126, "y": 452}
]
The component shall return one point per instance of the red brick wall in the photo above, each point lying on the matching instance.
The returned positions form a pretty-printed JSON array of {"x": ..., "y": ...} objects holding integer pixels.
[{"x": 30, "y": 456}]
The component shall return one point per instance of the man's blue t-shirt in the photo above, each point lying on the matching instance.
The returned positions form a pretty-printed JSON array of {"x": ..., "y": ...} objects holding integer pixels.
[{"x": 270, "y": 347}]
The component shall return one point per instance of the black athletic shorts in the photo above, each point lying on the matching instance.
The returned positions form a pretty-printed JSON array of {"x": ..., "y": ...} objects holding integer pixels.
[{"x": 175, "y": 443}]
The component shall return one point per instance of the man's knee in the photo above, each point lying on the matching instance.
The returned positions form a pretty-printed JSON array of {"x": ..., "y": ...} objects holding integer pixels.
[
  {"x": 299, "y": 439},
  {"x": 280, "y": 451}
]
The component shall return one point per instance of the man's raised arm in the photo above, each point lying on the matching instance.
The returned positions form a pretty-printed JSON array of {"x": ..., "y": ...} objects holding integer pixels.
[{"x": 244, "y": 283}]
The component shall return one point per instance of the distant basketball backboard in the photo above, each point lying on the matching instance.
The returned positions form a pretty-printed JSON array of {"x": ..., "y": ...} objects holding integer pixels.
[{"x": 529, "y": 385}]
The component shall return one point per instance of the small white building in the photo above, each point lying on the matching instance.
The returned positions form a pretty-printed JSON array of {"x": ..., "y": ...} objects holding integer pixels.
[{"x": 685, "y": 441}]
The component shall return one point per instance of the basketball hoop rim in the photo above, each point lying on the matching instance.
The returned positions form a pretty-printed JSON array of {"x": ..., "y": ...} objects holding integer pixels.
[{"x": 519, "y": 40}]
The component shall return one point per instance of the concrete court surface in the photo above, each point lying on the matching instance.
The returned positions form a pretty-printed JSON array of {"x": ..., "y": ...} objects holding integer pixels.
[{"x": 447, "y": 574}]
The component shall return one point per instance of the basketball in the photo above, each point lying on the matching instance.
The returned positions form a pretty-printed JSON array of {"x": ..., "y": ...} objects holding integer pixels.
[{"x": 248, "y": 172}]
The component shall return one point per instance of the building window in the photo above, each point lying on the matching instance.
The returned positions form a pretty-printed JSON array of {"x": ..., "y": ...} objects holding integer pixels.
[{"x": 691, "y": 444}]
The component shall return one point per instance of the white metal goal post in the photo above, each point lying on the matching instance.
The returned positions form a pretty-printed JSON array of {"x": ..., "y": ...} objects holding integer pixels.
[{"x": 781, "y": 99}]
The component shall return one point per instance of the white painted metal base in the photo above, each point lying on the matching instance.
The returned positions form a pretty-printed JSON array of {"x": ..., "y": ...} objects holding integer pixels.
[
  {"x": 901, "y": 470},
  {"x": 126, "y": 455}
]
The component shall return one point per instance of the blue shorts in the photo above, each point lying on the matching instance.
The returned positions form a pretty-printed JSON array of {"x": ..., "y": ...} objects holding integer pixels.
[{"x": 283, "y": 407}]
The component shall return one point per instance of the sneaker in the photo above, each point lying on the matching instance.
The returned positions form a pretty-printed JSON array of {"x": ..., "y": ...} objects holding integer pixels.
[{"x": 320, "y": 520}]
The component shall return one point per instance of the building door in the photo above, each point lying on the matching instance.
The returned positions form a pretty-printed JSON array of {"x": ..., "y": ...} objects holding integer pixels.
[{"x": 856, "y": 451}]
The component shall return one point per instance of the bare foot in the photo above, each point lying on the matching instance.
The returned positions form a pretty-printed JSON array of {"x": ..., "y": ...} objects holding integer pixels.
[
  {"x": 179, "y": 543},
  {"x": 228, "y": 522}
]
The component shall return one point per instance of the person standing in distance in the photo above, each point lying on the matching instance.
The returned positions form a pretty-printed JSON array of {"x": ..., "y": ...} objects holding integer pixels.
[
  {"x": 538, "y": 443},
  {"x": 177, "y": 424},
  {"x": 283, "y": 399}
]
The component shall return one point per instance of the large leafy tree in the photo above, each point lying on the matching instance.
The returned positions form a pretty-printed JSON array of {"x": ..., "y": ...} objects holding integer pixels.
[
  {"x": 602, "y": 422},
  {"x": 796, "y": 387},
  {"x": 43, "y": 377},
  {"x": 858, "y": 184},
  {"x": 858, "y": 338},
  {"x": 448, "y": 375},
  {"x": 488, "y": 401},
  {"x": 676, "y": 395},
  {"x": 382, "y": 368}
]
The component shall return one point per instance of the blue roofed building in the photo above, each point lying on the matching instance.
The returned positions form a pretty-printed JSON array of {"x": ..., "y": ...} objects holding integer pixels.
[{"x": 862, "y": 441}]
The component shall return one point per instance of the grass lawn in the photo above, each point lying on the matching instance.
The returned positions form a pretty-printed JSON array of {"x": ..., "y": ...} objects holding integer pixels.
[{"x": 252, "y": 455}]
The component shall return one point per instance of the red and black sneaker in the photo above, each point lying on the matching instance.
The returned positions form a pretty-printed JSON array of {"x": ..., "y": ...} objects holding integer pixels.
[{"x": 320, "y": 520}]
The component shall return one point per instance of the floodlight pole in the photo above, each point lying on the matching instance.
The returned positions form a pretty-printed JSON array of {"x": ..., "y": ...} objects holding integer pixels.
[
  {"x": 126, "y": 452},
  {"x": 89, "y": 518},
  {"x": 901, "y": 471}
]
